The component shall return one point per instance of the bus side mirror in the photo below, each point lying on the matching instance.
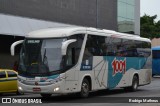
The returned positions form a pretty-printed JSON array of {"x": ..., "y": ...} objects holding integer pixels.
[
  {"x": 14, "y": 45},
  {"x": 65, "y": 45}
]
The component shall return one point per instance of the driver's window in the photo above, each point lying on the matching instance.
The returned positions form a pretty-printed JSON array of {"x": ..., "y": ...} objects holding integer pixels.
[{"x": 73, "y": 50}]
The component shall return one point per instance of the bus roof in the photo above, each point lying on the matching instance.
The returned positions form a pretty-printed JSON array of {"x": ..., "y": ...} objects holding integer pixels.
[
  {"x": 68, "y": 31},
  {"x": 156, "y": 48},
  {"x": 55, "y": 32}
]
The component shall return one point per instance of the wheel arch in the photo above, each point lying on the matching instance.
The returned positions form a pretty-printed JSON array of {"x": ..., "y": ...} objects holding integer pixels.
[{"x": 89, "y": 78}]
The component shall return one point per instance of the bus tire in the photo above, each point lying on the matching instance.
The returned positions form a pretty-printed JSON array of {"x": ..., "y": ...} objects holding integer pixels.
[
  {"x": 46, "y": 95},
  {"x": 85, "y": 88},
  {"x": 135, "y": 82}
]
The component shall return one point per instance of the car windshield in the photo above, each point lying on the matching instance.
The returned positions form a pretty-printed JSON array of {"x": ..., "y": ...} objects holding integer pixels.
[{"x": 41, "y": 56}]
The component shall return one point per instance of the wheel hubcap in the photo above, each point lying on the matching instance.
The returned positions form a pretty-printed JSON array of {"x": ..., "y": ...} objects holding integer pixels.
[
  {"x": 85, "y": 88},
  {"x": 135, "y": 85}
]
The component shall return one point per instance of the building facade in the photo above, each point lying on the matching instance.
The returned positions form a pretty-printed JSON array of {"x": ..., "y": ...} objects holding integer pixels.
[
  {"x": 18, "y": 17},
  {"x": 129, "y": 16}
]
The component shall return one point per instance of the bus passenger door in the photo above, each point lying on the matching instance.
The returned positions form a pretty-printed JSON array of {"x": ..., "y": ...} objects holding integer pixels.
[
  {"x": 72, "y": 58},
  {"x": 70, "y": 61},
  {"x": 71, "y": 82}
]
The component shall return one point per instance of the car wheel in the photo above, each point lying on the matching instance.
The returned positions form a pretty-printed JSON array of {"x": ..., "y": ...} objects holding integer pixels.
[{"x": 19, "y": 93}]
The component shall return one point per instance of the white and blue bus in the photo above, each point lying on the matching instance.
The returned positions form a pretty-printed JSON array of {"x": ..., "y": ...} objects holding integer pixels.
[{"x": 79, "y": 59}]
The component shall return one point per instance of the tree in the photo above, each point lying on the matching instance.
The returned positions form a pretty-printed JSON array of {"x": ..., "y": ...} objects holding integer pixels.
[{"x": 149, "y": 27}]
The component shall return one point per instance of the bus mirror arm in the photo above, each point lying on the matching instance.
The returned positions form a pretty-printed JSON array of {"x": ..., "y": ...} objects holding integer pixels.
[
  {"x": 65, "y": 45},
  {"x": 14, "y": 45}
]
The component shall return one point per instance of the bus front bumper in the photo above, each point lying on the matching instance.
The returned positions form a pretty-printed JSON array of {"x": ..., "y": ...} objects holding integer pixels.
[{"x": 57, "y": 88}]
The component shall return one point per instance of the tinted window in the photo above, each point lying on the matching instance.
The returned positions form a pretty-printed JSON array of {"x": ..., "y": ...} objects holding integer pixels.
[
  {"x": 143, "y": 49},
  {"x": 11, "y": 74},
  {"x": 112, "y": 46},
  {"x": 128, "y": 48},
  {"x": 95, "y": 46},
  {"x": 2, "y": 74}
]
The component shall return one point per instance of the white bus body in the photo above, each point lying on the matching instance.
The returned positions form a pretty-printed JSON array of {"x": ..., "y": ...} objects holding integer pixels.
[{"x": 79, "y": 59}]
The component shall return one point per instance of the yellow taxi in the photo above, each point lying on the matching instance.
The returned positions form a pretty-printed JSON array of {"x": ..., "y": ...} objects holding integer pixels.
[{"x": 8, "y": 81}]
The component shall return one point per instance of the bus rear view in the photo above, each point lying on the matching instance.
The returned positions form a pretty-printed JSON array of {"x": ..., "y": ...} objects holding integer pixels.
[{"x": 156, "y": 61}]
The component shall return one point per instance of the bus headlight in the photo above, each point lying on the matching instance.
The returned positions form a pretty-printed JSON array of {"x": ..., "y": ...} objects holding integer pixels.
[{"x": 56, "y": 89}]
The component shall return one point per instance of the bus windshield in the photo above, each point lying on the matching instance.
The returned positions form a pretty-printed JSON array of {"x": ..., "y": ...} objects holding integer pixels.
[
  {"x": 40, "y": 57},
  {"x": 156, "y": 54}
]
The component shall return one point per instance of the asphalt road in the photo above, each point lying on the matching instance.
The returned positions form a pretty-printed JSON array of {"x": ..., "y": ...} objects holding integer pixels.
[{"x": 117, "y": 97}]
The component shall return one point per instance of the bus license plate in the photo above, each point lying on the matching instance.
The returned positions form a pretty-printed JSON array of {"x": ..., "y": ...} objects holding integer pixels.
[{"x": 36, "y": 89}]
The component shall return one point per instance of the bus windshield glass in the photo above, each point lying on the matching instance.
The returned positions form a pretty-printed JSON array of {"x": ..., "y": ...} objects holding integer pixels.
[
  {"x": 156, "y": 54},
  {"x": 40, "y": 57}
]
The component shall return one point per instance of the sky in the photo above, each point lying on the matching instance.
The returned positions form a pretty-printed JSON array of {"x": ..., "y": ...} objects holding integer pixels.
[{"x": 150, "y": 7}]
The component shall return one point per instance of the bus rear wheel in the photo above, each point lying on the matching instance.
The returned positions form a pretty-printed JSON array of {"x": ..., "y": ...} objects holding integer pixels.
[
  {"x": 85, "y": 87},
  {"x": 134, "y": 86},
  {"x": 135, "y": 83},
  {"x": 46, "y": 95}
]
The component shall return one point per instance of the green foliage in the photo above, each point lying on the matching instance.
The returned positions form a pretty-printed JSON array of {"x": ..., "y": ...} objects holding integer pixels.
[{"x": 149, "y": 27}]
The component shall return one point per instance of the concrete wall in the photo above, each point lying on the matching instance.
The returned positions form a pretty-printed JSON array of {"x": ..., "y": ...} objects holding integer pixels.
[
  {"x": 77, "y": 12},
  {"x": 91, "y": 13}
]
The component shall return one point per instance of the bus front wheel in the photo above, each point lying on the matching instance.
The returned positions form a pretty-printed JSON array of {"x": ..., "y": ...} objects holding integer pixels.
[{"x": 85, "y": 87}]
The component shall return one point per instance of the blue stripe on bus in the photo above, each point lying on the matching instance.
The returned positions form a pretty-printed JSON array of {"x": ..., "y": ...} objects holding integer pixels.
[
  {"x": 48, "y": 77},
  {"x": 136, "y": 63},
  {"x": 53, "y": 76}
]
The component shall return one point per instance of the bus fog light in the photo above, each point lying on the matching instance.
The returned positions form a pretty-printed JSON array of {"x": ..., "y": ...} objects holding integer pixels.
[{"x": 56, "y": 89}]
